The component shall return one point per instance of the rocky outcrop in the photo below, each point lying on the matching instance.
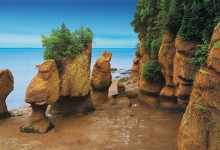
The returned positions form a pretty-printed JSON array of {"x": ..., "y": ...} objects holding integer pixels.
[
  {"x": 123, "y": 103},
  {"x": 120, "y": 87},
  {"x": 42, "y": 90},
  {"x": 184, "y": 70},
  {"x": 200, "y": 127},
  {"x": 148, "y": 91},
  {"x": 101, "y": 79},
  {"x": 135, "y": 69},
  {"x": 6, "y": 86},
  {"x": 74, "y": 74},
  {"x": 166, "y": 55}
]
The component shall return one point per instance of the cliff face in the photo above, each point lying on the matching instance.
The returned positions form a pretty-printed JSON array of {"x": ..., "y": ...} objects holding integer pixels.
[
  {"x": 200, "y": 127},
  {"x": 6, "y": 86},
  {"x": 75, "y": 74},
  {"x": 148, "y": 91},
  {"x": 178, "y": 69},
  {"x": 166, "y": 58},
  {"x": 184, "y": 70}
]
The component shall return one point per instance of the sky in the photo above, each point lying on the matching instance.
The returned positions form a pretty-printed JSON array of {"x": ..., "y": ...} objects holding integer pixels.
[{"x": 22, "y": 22}]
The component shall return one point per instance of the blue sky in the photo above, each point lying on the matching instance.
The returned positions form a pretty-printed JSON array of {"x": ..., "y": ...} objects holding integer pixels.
[{"x": 22, "y": 22}]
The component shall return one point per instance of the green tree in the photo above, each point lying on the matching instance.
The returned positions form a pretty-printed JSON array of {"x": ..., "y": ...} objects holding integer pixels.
[
  {"x": 193, "y": 21},
  {"x": 152, "y": 71},
  {"x": 201, "y": 55},
  {"x": 63, "y": 44}
]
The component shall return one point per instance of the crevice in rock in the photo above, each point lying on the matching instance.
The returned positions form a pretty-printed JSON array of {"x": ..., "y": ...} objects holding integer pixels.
[
  {"x": 186, "y": 80},
  {"x": 185, "y": 53}
]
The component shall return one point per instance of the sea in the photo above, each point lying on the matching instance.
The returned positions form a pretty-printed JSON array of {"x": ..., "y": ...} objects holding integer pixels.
[{"x": 22, "y": 63}]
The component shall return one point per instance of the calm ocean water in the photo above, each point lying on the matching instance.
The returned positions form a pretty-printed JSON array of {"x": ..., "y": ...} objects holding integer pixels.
[{"x": 22, "y": 62}]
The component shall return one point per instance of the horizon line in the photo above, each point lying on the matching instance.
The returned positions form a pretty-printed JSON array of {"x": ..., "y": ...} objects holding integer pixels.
[{"x": 43, "y": 47}]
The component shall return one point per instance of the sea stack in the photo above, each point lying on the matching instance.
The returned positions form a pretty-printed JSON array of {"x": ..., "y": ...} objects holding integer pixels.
[
  {"x": 101, "y": 79},
  {"x": 74, "y": 75},
  {"x": 42, "y": 91},
  {"x": 6, "y": 86}
]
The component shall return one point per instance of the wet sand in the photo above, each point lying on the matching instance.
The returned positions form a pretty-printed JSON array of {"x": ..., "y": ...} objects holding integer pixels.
[{"x": 134, "y": 128}]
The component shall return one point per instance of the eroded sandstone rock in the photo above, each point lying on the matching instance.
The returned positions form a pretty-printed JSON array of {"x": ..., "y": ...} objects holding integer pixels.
[
  {"x": 101, "y": 74},
  {"x": 120, "y": 87},
  {"x": 44, "y": 87},
  {"x": 184, "y": 70},
  {"x": 200, "y": 127},
  {"x": 74, "y": 74},
  {"x": 135, "y": 68},
  {"x": 123, "y": 103},
  {"x": 6, "y": 86},
  {"x": 101, "y": 79},
  {"x": 148, "y": 91},
  {"x": 166, "y": 55},
  {"x": 42, "y": 90}
]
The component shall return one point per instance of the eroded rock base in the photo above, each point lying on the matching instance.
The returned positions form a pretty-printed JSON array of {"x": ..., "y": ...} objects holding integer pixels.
[
  {"x": 68, "y": 105},
  {"x": 99, "y": 97},
  {"x": 38, "y": 121}
]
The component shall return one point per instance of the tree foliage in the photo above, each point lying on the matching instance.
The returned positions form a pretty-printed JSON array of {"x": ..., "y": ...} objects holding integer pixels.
[
  {"x": 152, "y": 71},
  {"x": 193, "y": 22},
  {"x": 201, "y": 55},
  {"x": 63, "y": 44},
  {"x": 190, "y": 20}
]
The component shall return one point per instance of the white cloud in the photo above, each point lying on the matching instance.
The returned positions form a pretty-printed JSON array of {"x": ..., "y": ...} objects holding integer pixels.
[
  {"x": 22, "y": 40},
  {"x": 19, "y": 40},
  {"x": 114, "y": 43}
]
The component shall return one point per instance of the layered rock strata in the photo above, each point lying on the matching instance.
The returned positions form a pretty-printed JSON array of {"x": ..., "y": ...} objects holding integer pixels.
[
  {"x": 148, "y": 91},
  {"x": 200, "y": 127},
  {"x": 168, "y": 100},
  {"x": 184, "y": 70}
]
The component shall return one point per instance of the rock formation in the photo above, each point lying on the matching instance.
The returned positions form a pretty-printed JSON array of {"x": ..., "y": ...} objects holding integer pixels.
[
  {"x": 184, "y": 70},
  {"x": 42, "y": 90},
  {"x": 123, "y": 102},
  {"x": 148, "y": 91},
  {"x": 6, "y": 86},
  {"x": 200, "y": 127},
  {"x": 120, "y": 87},
  {"x": 135, "y": 69},
  {"x": 74, "y": 74},
  {"x": 101, "y": 79},
  {"x": 166, "y": 55}
]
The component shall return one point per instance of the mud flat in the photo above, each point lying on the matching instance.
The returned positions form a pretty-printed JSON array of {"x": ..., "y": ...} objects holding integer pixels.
[{"x": 138, "y": 127}]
